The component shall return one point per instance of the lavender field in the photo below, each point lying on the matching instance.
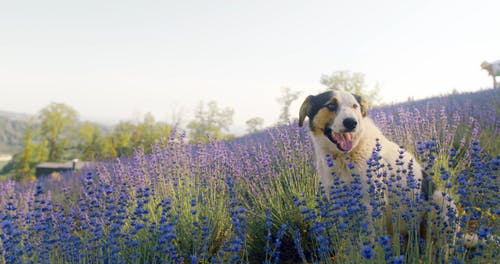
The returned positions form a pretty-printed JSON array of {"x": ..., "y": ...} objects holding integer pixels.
[{"x": 256, "y": 199}]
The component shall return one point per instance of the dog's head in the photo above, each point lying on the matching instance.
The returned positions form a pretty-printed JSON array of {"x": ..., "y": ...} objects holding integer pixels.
[{"x": 334, "y": 118}]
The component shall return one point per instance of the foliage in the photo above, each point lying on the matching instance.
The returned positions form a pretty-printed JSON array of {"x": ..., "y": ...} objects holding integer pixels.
[
  {"x": 91, "y": 140},
  {"x": 213, "y": 122},
  {"x": 11, "y": 134},
  {"x": 256, "y": 199},
  {"x": 25, "y": 167},
  {"x": 62, "y": 135},
  {"x": 350, "y": 82},
  {"x": 56, "y": 126},
  {"x": 286, "y": 100},
  {"x": 127, "y": 136},
  {"x": 254, "y": 124}
]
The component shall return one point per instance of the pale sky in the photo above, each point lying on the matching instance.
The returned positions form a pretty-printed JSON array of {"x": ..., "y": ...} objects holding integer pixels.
[{"x": 117, "y": 60}]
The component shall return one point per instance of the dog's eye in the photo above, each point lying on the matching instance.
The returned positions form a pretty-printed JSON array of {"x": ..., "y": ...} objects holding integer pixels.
[
  {"x": 355, "y": 106},
  {"x": 332, "y": 106}
]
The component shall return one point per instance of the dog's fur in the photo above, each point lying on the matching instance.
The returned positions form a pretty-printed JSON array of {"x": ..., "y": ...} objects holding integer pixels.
[{"x": 340, "y": 129}]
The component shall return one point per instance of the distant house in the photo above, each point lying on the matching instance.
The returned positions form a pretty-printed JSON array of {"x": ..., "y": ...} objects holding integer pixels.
[{"x": 47, "y": 168}]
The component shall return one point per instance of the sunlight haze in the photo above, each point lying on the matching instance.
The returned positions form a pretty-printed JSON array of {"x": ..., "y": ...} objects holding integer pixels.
[{"x": 118, "y": 60}]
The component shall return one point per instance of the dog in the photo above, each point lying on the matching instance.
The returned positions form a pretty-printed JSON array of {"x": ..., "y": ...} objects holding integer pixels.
[{"x": 341, "y": 130}]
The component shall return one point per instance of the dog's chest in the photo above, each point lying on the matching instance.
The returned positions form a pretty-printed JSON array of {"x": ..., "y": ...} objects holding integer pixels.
[{"x": 342, "y": 168}]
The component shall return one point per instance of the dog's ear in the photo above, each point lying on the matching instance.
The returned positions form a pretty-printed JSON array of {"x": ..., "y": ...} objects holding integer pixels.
[
  {"x": 364, "y": 105},
  {"x": 305, "y": 110}
]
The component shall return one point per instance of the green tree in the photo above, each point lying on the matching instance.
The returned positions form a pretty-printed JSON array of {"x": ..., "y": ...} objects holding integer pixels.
[
  {"x": 23, "y": 163},
  {"x": 127, "y": 135},
  {"x": 353, "y": 82},
  {"x": 57, "y": 122},
  {"x": 254, "y": 124},
  {"x": 286, "y": 99},
  {"x": 90, "y": 141},
  {"x": 42, "y": 150},
  {"x": 25, "y": 168},
  {"x": 108, "y": 148},
  {"x": 211, "y": 122},
  {"x": 123, "y": 138},
  {"x": 150, "y": 131}
]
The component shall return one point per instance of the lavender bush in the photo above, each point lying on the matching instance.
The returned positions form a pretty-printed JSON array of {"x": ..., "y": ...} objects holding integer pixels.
[{"x": 256, "y": 199}]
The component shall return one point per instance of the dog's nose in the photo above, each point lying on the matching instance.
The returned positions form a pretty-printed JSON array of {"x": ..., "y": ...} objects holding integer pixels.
[{"x": 350, "y": 124}]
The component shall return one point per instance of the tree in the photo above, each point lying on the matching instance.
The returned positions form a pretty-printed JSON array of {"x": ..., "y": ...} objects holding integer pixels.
[
  {"x": 108, "y": 148},
  {"x": 56, "y": 123},
  {"x": 350, "y": 82},
  {"x": 123, "y": 139},
  {"x": 176, "y": 117},
  {"x": 286, "y": 99},
  {"x": 25, "y": 167},
  {"x": 150, "y": 131},
  {"x": 91, "y": 141},
  {"x": 212, "y": 122},
  {"x": 254, "y": 124},
  {"x": 129, "y": 135}
]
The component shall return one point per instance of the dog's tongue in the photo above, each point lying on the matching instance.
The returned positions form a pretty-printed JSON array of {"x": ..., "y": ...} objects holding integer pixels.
[{"x": 344, "y": 140}]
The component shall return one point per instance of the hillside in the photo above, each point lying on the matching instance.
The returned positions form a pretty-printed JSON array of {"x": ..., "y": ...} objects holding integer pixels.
[
  {"x": 12, "y": 127},
  {"x": 452, "y": 119},
  {"x": 15, "y": 116},
  {"x": 247, "y": 198}
]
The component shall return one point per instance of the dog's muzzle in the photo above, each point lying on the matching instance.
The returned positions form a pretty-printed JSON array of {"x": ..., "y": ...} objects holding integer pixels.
[{"x": 343, "y": 141}]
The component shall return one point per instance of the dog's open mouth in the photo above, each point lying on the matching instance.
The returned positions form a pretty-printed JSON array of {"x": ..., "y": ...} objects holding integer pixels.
[{"x": 343, "y": 141}]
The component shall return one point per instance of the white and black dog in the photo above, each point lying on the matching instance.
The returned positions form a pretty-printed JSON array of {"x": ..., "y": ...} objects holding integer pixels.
[{"x": 340, "y": 129}]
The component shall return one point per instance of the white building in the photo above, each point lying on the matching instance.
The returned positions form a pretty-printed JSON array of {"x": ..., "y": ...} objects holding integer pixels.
[{"x": 5, "y": 157}]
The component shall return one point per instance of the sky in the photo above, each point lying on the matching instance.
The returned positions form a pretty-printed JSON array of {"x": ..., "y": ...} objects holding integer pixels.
[{"x": 118, "y": 60}]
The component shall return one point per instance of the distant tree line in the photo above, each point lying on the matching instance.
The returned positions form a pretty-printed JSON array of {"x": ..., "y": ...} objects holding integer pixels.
[
  {"x": 57, "y": 134},
  {"x": 11, "y": 134}
]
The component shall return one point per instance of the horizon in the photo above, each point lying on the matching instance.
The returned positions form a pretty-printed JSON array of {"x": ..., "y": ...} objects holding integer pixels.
[
  {"x": 239, "y": 131},
  {"x": 117, "y": 61}
]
